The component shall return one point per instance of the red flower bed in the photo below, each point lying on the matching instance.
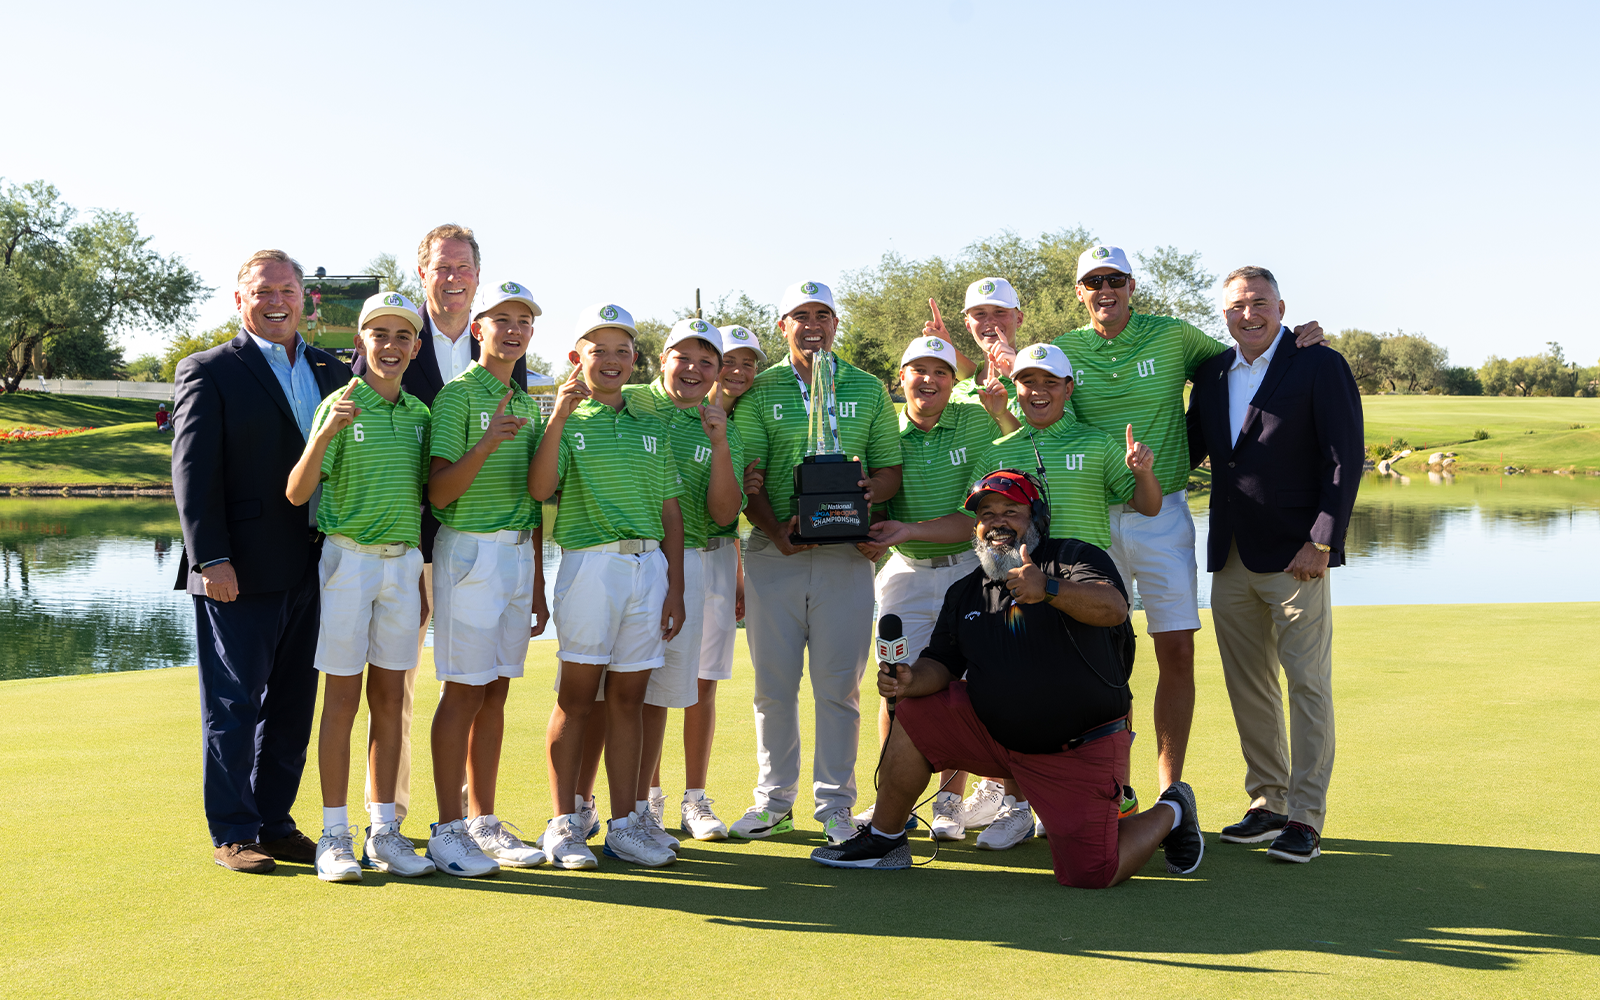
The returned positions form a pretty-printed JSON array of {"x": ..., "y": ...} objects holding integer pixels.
[{"x": 39, "y": 433}]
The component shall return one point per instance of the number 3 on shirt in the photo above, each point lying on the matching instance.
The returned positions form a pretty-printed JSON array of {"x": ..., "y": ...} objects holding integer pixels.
[{"x": 579, "y": 436}]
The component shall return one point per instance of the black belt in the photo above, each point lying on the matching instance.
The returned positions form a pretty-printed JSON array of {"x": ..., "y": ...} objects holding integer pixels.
[
  {"x": 1095, "y": 734},
  {"x": 317, "y": 537}
]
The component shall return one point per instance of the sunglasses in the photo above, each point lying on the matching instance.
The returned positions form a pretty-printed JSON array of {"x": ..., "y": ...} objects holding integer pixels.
[
  {"x": 1013, "y": 487},
  {"x": 1094, "y": 281}
]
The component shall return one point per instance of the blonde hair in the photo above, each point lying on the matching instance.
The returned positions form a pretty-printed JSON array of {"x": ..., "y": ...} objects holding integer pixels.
[
  {"x": 265, "y": 256},
  {"x": 448, "y": 231}
]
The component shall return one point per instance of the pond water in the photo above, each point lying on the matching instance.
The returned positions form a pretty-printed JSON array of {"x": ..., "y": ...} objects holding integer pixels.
[{"x": 85, "y": 584}]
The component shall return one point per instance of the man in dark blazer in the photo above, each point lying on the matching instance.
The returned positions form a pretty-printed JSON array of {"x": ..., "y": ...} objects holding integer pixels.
[
  {"x": 241, "y": 415},
  {"x": 448, "y": 263},
  {"x": 1282, "y": 425}
]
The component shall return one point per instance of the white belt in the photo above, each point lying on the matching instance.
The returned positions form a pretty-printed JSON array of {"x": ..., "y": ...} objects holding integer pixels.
[
  {"x": 388, "y": 551},
  {"x": 713, "y": 544},
  {"x": 626, "y": 546},
  {"x": 505, "y": 536},
  {"x": 940, "y": 562}
]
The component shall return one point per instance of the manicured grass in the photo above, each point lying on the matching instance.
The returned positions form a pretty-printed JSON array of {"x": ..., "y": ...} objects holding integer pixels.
[
  {"x": 129, "y": 453},
  {"x": 1534, "y": 433},
  {"x": 42, "y": 409},
  {"x": 1458, "y": 859}
]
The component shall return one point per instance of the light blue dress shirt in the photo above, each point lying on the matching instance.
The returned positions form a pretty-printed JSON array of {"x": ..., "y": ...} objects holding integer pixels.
[{"x": 298, "y": 381}]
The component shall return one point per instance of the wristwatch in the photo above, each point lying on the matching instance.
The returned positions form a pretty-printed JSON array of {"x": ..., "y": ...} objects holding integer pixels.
[
  {"x": 1321, "y": 547},
  {"x": 1052, "y": 586}
]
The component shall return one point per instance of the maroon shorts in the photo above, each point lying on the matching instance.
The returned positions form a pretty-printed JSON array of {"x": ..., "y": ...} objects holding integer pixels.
[{"x": 1075, "y": 792}]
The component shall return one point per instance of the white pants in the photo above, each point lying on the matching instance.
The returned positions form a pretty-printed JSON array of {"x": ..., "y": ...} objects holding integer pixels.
[
  {"x": 916, "y": 594},
  {"x": 1158, "y": 553},
  {"x": 675, "y": 684},
  {"x": 718, "y": 627},
  {"x": 819, "y": 599},
  {"x": 370, "y": 607},
  {"x": 483, "y": 607}
]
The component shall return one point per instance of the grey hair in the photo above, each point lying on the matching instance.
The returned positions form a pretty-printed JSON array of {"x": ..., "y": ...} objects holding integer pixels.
[
  {"x": 1251, "y": 271},
  {"x": 269, "y": 256}
]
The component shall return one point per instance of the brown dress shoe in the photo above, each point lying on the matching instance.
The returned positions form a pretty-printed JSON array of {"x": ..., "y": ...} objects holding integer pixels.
[
  {"x": 296, "y": 847},
  {"x": 248, "y": 858}
]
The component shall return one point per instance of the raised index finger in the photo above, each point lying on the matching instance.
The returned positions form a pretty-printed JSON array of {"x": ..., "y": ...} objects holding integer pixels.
[
  {"x": 934, "y": 305},
  {"x": 1130, "y": 435},
  {"x": 500, "y": 410},
  {"x": 348, "y": 390}
]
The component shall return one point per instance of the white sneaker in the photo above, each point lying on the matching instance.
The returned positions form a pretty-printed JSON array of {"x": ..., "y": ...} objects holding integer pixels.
[
  {"x": 757, "y": 823},
  {"x": 840, "y": 826},
  {"x": 863, "y": 819},
  {"x": 453, "y": 851},
  {"x": 1038, "y": 828},
  {"x": 699, "y": 821},
  {"x": 588, "y": 814},
  {"x": 1012, "y": 826},
  {"x": 492, "y": 837},
  {"x": 626, "y": 839},
  {"x": 564, "y": 844},
  {"x": 336, "y": 857},
  {"x": 657, "y": 803},
  {"x": 387, "y": 850},
  {"x": 983, "y": 805},
  {"x": 647, "y": 820},
  {"x": 947, "y": 823}
]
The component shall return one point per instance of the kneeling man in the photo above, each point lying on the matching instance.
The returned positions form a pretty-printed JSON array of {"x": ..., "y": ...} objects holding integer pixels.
[{"x": 1040, "y": 633}]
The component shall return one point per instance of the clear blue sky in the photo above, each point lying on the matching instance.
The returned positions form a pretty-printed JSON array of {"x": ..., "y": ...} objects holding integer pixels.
[{"x": 1415, "y": 166}]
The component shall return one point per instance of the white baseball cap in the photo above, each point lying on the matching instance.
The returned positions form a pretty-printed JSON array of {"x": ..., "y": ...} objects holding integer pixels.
[
  {"x": 604, "y": 314},
  {"x": 929, "y": 347},
  {"x": 389, "y": 304},
  {"x": 1102, "y": 256},
  {"x": 490, "y": 296},
  {"x": 801, "y": 292},
  {"x": 1045, "y": 357},
  {"x": 693, "y": 329},
  {"x": 991, "y": 292},
  {"x": 737, "y": 336}
]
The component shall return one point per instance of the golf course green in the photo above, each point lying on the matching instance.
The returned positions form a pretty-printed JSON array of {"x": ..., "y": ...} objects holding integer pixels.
[{"x": 1458, "y": 858}]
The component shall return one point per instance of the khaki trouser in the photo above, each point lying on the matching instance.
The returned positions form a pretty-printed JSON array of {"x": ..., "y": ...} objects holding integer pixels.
[{"x": 1263, "y": 620}]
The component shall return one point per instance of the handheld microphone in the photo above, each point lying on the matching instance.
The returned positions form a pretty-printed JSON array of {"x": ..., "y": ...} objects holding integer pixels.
[{"x": 893, "y": 647}]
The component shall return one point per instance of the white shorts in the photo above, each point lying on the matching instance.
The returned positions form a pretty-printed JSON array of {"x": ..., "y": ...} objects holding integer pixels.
[
  {"x": 718, "y": 627},
  {"x": 370, "y": 609},
  {"x": 608, "y": 609},
  {"x": 482, "y": 606},
  {"x": 675, "y": 683},
  {"x": 916, "y": 593},
  {"x": 1157, "y": 554}
]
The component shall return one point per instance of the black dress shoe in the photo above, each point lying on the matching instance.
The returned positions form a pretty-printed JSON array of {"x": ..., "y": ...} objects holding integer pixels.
[
  {"x": 1297, "y": 842},
  {"x": 1257, "y": 825},
  {"x": 296, "y": 847}
]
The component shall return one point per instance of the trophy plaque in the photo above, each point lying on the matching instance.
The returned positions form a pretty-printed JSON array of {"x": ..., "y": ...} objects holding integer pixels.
[{"x": 830, "y": 507}]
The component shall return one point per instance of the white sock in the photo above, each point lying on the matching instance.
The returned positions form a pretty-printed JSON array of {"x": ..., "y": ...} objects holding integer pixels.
[
  {"x": 641, "y": 806},
  {"x": 694, "y": 793},
  {"x": 381, "y": 812},
  {"x": 879, "y": 833},
  {"x": 656, "y": 792},
  {"x": 335, "y": 820},
  {"x": 1177, "y": 811}
]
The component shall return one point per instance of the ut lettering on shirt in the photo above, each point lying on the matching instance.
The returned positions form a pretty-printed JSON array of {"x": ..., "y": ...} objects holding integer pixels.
[
  {"x": 958, "y": 456},
  {"x": 1073, "y": 462}
]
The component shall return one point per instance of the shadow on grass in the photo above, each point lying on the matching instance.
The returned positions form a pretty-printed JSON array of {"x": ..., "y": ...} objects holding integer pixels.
[{"x": 1480, "y": 908}]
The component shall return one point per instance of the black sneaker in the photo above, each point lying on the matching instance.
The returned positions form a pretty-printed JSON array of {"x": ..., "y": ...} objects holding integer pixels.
[
  {"x": 1185, "y": 845},
  {"x": 1257, "y": 825},
  {"x": 866, "y": 850},
  {"x": 1297, "y": 842}
]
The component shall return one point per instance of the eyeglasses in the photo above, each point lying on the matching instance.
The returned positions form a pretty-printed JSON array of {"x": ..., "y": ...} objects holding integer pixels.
[{"x": 1094, "y": 281}]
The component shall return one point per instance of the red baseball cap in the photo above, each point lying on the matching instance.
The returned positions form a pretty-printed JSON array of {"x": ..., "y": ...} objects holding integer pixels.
[{"x": 1009, "y": 483}]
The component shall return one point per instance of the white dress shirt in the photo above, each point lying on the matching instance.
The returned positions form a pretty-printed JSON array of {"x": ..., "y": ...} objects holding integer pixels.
[
  {"x": 1244, "y": 378},
  {"x": 453, "y": 355}
]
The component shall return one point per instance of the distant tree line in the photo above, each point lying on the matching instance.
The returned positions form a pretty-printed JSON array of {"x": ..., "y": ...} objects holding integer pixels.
[{"x": 1403, "y": 362}]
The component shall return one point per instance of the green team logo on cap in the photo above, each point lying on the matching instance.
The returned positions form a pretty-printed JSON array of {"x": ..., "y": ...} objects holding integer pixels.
[
  {"x": 511, "y": 288},
  {"x": 740, "y": 333},
  {"x": 986, "y": 287},
  {"x": 1101, "y": 253},
  {"x": 608, "y": 313},
  {"x": 809, "y": 288},
  {"x": 699, "y": 326},
  {"x": 1038, "y": 353},
  {"x": 392, "y": 299},
  {"x": 935, "y": 344}
]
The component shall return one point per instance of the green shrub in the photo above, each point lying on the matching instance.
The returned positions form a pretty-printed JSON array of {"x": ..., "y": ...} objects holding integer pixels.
[{"x": 1480, "y": 435}]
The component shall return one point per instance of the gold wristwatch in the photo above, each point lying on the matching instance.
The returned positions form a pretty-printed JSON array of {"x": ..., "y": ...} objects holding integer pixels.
[{"x": 1322, "y": 548}]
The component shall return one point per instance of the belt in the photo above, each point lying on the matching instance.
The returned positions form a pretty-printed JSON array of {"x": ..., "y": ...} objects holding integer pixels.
[
  {"x": 940, "y": 562},
  {"x": 317, "y": 537},
  {"x": 389, "y": 551},
  {"x": 626, "y": 546},
  {"x": 1095, "y": 734},
  {"x": 505, "y": 536},
  {"x": 713, "y": 544}
]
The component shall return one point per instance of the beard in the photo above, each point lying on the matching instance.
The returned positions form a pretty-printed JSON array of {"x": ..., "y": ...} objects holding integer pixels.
[{"x": 998, "y": 553}]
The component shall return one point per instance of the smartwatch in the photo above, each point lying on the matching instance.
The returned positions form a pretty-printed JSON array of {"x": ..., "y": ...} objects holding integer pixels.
[{"x": 1052, "y": 586}]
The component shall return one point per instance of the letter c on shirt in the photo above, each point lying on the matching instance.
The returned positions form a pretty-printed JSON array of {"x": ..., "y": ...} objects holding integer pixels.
[{"x": 777, "y": 411}]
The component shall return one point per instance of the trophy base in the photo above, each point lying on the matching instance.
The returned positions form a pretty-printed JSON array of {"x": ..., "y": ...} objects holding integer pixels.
[{"x": 830, "y": 507}]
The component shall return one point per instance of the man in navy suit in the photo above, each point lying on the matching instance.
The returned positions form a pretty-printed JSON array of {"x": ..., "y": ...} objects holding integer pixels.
[
  {"x": 1282, "y": 425},
  {"x": 448, "y": 264},
  {"x": 240, "y": 417}
]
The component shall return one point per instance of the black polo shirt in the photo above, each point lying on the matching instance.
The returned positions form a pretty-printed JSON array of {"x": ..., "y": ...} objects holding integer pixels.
[{"x": 1037, "y": 677}]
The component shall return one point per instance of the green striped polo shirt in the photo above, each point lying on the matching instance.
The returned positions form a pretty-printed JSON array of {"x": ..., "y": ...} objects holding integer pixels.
[
  {"x": 1087, "y": 471},
  {"x": 616, "y": 470},
  {"x": 966, "y": 391},
  {"x": 498, "y": 497},
  {"x": 374, "y": 470},
  {"x": 940, "y": 467},
  {"x": 771, "y": 418},
  {"x": 1137, "y": 378},
  {"x": 691, "y": 451}
]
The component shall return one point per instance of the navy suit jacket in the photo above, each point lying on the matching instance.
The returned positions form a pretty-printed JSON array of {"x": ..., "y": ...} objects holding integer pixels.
[
  {"x": 234, "y": 443},
  {"x": 1293, "y": 475},
  {"x": 422, "y": 377}
]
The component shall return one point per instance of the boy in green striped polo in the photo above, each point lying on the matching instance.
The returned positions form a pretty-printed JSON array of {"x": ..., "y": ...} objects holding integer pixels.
[
  {"x": 1132, "y": 369},
  {"x": 808, "y": 596},
  {"x": 366, "y": 452},
  {"x": 487, "y": 580},
  {"x": 620, "y": 590},
  {"x": 993, "y": 315}
]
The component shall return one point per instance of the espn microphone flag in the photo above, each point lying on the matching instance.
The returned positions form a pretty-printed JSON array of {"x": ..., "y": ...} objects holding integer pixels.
[{"x": 893, "y": 646}]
